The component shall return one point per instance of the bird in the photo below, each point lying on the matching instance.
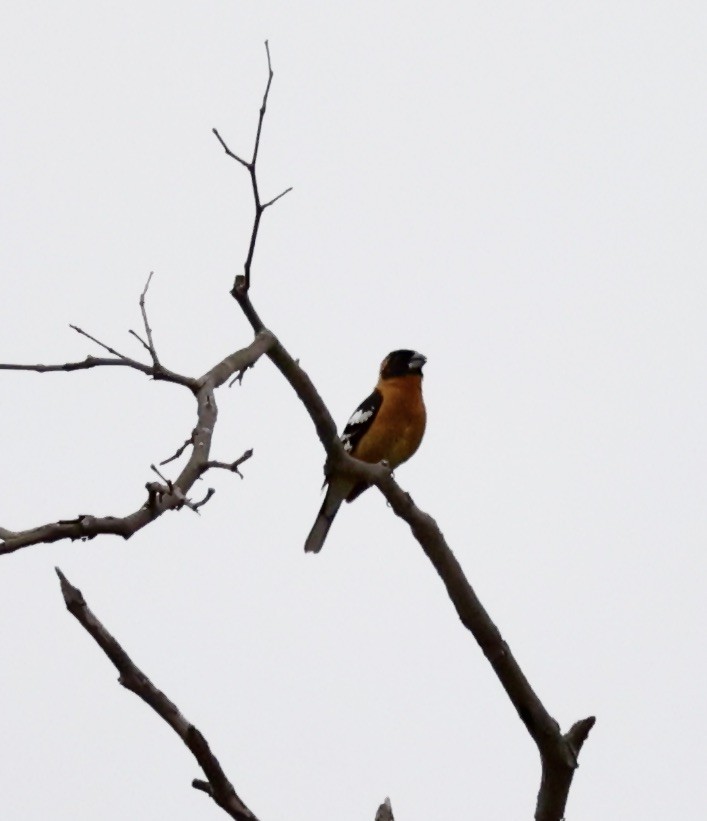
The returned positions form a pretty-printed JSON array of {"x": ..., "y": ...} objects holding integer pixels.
[{"x": 387, "y": 426}]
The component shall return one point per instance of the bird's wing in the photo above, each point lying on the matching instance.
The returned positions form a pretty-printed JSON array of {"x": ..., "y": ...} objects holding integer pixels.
[{"x": 360, "y": 421}]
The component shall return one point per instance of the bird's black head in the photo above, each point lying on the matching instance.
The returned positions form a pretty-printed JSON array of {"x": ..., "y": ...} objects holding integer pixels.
[{"x": 402, "y": 363}]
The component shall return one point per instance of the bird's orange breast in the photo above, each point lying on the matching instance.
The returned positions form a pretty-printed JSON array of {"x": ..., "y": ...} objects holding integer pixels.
[{"x": 399, "y": 425}]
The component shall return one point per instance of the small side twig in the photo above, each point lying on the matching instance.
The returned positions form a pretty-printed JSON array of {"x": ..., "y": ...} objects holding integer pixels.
[
  {"x": 230, "y": 466},
  {"x": 196, "y": 505},
  {"x": 237, "y": 378},
  {"x": 180, "y": 450},
  {"x": 168, "y": 482},
  {"x": 132, "y": 678},
  {"x": 275, "y": 199},
  {"x": 148, "y": 331},
  {"x": 98, "y": 342},
  {"x": 139, "y": 339}
]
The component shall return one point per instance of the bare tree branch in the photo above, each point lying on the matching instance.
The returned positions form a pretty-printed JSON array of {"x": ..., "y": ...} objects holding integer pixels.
[
  {"x": 250, "y": 165},
  {"x": 558, "y": 753},
  {"x": 158, "y": 372},
  {"x": 173, "y": 495},
  {"x": 95, "y": 362},
  {"x": 132, "y": 678}
]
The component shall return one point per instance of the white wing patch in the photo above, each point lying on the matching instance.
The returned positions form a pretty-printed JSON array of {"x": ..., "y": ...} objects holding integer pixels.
[
  {"x": 360, "y": 420},
  {"x": 359, "y": 417},
  {"x": 353, "y": 426}
]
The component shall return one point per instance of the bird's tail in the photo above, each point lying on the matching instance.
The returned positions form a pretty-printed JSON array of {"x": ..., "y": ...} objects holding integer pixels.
[{"x": 318, "y": 533}]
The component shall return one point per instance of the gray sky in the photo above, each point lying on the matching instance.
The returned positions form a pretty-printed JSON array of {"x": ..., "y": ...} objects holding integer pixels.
[{"x": 518, "y": 191}]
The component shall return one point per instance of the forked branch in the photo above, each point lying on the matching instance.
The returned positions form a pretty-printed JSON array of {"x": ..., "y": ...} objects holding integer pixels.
[
  {"x": 161, "y": 497},
  {"x": 250, "y": 166}
]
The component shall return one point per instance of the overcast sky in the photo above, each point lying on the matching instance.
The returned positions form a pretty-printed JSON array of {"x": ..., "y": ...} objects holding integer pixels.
[{"x": 518, "y": 191}]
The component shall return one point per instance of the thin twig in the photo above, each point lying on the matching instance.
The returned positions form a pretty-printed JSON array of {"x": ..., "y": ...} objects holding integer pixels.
[
  {"x": 180, "y": 450},
  {"x": 98, "y": 342},
  {"x": 161, "y": 373},
  {"x": 237, "y": 378},
  {"x": 133, "y": 679},
  {"x": 275, "y": 199},
  {"x": 228, "y": 150},
  {"x": 148, "y": 330},
  {"x": 139, "y": 339},
  {"x": 250, "y": 165},
  {"x": 168, "y": 482},
  {"x": 262, "y": 107}
]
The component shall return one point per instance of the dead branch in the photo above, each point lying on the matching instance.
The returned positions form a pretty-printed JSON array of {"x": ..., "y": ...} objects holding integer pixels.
[
  {"x": 250, "y": 165},
  {"x": 159, "y": 373},
  {"x": 558, "y": 752},
  {"x": 132, "y": 678},
  {"x": 173, "y": 494}
]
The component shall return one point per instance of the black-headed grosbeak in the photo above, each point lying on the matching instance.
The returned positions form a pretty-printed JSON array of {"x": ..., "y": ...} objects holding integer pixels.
[{"x": 388, "y": 425}]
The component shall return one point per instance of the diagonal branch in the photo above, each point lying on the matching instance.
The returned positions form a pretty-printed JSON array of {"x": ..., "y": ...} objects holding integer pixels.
[
  {"x": 558, "y": 752},
  {"x": 98, "y": 342},
  {"x": 132, "y": 678}
]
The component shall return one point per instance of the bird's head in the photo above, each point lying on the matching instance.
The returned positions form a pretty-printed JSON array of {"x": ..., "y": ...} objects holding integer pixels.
[{"x": 402, "y": 363}]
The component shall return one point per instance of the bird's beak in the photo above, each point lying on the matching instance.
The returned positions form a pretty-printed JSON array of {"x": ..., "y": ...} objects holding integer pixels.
[{"x": 417, "y": 360}]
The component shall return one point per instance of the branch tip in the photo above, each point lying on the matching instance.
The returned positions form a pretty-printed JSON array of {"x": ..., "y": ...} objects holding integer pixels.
[
  {"x": 150, "y": 345},
  {"x": 385, "y": 811},
  {"x": 204, "y": 786},
  {"x": 275, "y": 199},
  {"x": 72, "y": 595},
  {"x": 579, "y": 732},
  {"x": 98, "y": 342}
]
